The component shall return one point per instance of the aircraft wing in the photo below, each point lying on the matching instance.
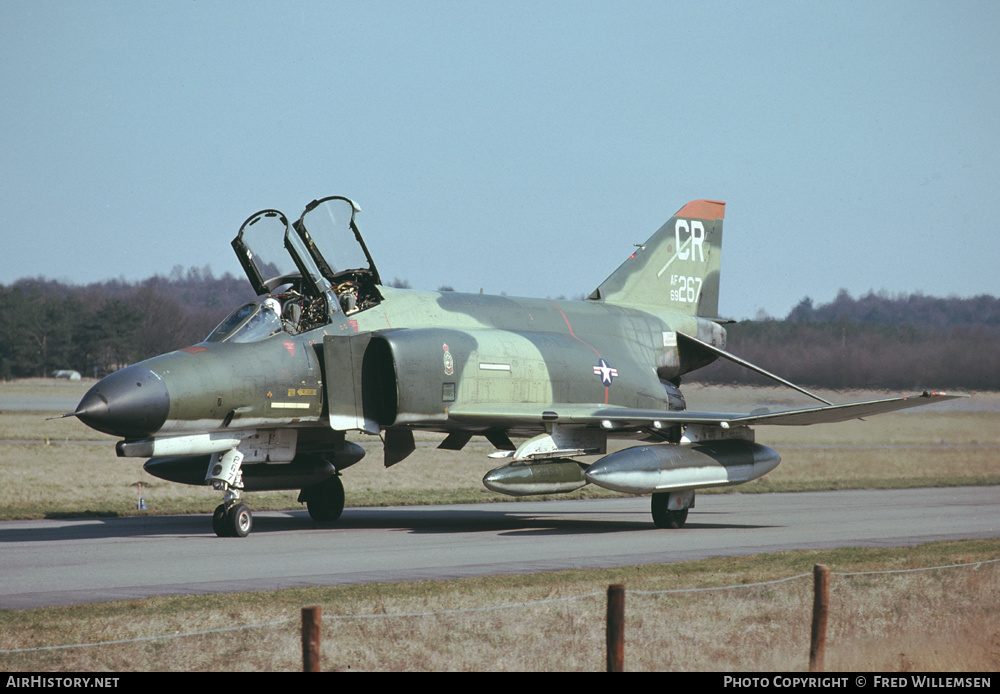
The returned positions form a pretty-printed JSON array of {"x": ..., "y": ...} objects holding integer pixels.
[
  {"x": 612, "y": 418},
  {"x": 841, "y": 413}
]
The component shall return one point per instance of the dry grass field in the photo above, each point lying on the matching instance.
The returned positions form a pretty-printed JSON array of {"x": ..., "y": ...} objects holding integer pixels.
[
  {"x": 930, "y": 621},
  {"x": 940, "y": 620}
]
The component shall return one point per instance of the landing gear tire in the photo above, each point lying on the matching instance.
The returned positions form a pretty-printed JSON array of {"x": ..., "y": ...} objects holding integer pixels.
[
  {"x": 232, "y": 521},
  {"x": 663, "y": 517},
  {"x": 325, "y": 501},
  {"x": 239, "y": 521},
  {"x": 219, "y": 521}
]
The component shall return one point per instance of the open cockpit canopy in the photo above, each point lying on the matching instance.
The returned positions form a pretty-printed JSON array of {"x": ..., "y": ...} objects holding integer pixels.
[{"x": 322, "y": 252}]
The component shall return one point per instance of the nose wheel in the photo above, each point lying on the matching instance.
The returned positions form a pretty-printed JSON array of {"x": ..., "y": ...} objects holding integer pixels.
[{"x": 232, "y": 520}]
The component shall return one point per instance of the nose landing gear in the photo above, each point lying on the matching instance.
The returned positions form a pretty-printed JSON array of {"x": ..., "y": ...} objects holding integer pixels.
[{"x": 232, "y": 520}]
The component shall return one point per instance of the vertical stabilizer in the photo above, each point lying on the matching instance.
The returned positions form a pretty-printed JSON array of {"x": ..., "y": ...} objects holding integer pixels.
[{"x": 677, "y": 268}]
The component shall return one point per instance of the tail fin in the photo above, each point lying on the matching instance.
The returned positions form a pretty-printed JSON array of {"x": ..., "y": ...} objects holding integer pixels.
[{"x": 677, "y": 268}]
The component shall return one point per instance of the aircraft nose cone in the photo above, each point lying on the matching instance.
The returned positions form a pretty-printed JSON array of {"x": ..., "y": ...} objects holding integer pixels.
[{"x": 131, "y": 403}]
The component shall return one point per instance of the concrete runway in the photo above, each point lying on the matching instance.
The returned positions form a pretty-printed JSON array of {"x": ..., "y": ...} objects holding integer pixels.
[{"x": 63, "y": 562}]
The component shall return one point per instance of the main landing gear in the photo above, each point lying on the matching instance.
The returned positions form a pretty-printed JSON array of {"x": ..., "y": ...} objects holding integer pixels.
[
  {"x": 670, "y": 509},
  {"x": 325, "y": 500}
]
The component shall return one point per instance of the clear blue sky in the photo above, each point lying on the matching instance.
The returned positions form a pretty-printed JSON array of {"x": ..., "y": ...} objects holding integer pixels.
[{"x": 518, "y": 147}]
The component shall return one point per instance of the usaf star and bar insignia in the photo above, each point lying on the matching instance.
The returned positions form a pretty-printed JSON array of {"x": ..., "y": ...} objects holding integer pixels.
[{"x": 604, "y": 370}]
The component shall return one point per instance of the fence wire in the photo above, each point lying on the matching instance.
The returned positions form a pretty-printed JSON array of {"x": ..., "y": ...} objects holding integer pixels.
[{"x": 490, "y": 608}]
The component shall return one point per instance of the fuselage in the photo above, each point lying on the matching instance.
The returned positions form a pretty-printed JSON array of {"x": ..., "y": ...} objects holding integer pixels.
[{"x": 471, "y": 349}]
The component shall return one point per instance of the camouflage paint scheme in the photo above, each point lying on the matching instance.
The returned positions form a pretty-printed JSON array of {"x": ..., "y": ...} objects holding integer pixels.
[{"x": 265, "y": 401}]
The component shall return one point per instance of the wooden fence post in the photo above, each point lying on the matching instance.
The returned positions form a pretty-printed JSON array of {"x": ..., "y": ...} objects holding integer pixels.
[
  {"x": 616, "y": 628},
  {"x": 311, "y": 619},
  {"x": 821, "y": 603}
]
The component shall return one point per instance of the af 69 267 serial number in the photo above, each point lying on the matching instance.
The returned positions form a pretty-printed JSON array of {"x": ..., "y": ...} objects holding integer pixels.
[{"x": 685, "y": 289}]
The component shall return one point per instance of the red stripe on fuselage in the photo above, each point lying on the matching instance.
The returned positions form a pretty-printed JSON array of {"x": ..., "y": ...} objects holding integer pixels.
[{"x": 576, "y": 337}]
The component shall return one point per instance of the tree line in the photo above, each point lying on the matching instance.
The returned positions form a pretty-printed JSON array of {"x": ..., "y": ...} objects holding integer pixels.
[
  {"x": 98, "y": 328},
  {"x": 906, "y": 342},
  {"x": 909, "y": 342}
]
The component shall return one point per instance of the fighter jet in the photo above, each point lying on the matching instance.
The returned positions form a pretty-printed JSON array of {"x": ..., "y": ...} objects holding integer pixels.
[{"x": 266, "y": 400}]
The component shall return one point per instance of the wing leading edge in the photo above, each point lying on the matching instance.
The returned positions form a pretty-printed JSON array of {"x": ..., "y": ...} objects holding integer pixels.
[{"x": 612, "y": 418}]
